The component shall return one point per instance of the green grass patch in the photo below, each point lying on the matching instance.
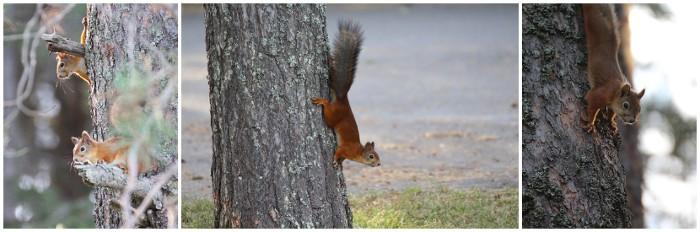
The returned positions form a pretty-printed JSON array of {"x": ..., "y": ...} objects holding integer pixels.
[
  {"x": 441, "y": 208},
  {"x": 197, "y": 213},
  {"x": 409, "y": 208}
]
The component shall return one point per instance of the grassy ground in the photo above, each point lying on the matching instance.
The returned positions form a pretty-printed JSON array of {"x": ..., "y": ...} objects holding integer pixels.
[{"x": 410, "y": 208}]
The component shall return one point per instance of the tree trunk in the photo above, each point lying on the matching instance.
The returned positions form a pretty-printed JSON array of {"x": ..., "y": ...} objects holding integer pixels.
[
  {"x": 272, "y": 152},
  {"x": 570, "y": 177},
  {"x": 123, "y": 36}
]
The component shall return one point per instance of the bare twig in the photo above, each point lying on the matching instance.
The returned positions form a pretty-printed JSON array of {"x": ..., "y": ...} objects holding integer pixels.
[
  {"x": 30, "y": 43},
  {"x": 163, "y": 179}
]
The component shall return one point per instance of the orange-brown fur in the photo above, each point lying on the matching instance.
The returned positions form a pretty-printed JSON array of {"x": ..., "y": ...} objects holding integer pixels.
[
  {"x": 609, "y": 87},
  {"x": 67, "y": 64},
  {"x": 337, "y": 113},
  {"x": 109, "y": 151}
]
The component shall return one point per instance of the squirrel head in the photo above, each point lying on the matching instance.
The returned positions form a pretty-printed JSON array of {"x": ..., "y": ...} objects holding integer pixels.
[
  {"x": 66, "y": 64},
  {"x": 369, "y": 156},
  {"x": 626, "y": 105},
  {"x": 83, "y": 148}
]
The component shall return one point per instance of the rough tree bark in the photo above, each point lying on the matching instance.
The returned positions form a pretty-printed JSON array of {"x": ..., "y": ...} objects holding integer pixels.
[
  {"x": 271, "y": 149},
  {"x": 119, "y": 35},
  {"x": 570, "y": 178}
]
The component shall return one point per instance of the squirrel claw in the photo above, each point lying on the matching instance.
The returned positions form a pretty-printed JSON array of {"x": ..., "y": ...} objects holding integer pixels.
[
  {"x": 317, "y": 101},
  {"x": 590, "y": 128}
]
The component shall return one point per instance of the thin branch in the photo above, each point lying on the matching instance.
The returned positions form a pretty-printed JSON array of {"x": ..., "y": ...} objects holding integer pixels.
[
  {"x": 30, "y": 43},
  {"x": 155, "y": 192},
  {"x": 58, "y": 43}
]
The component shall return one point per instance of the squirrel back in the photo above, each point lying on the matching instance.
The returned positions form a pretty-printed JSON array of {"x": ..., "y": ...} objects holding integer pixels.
[
  {"x": 111, "y": 151},
  {"x": 609, "y": 87},
  {"x": 346, "y": 50}
]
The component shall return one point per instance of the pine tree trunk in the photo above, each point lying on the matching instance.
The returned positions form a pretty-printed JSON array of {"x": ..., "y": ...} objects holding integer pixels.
[
  {"x": 271, "y": 149},
  {"x": 570, "y": 177},
  {"x": 119, "y": 35}
]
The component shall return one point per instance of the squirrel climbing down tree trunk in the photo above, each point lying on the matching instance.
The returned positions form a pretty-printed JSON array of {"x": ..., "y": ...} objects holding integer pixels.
[
  {"x": 570, "y": 179},
  {"x": 609, "y": 87},
  {"x": 337, "y": 113}
]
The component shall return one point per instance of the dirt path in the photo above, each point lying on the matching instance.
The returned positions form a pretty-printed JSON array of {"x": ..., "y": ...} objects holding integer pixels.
[{"x": 436, "y": 89}]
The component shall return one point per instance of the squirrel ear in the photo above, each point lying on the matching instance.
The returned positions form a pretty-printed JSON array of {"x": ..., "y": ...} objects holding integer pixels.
[
  {"x": 625, "y": 90},
  {"x": 641, "y": 93},
  {"x": 86, "y": 137},
  {"x": 369, "y": 145},
  {"x": 74, "y": 140}
]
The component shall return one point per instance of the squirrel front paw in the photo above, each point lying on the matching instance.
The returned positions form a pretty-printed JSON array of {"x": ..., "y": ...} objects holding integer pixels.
[{"x": 319, "y": 101}]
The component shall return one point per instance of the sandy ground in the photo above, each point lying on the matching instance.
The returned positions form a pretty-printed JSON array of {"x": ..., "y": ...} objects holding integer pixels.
[{"x": 436, "y": 89}]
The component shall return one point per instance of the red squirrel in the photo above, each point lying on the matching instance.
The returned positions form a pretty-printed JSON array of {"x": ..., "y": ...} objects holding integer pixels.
[
  {"x": 111, "y": 151},
  {"x": 67, "y": 64},
  {"x": 337, "y": 113},
  {"x": 609, "y": 87}
]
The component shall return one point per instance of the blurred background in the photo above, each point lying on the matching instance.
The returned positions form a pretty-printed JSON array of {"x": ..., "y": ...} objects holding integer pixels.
[
  {"x": 664, "y": 42},
  {"x": 40, "y": 189}
]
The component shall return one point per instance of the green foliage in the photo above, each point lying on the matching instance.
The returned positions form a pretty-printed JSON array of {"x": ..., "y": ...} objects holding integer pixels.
[
  {"x": 410, "y": 208},
  {"x": 443, "y": 208},
  {"x": 197, "y": 213},
  {"x": 132, "y": 112}
]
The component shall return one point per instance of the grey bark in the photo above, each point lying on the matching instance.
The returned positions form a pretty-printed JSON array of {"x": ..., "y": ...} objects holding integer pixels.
[
  {"x": 272, "y": 152},
  {"x": 570, "y": 178},
  {"x": 120, "y": 35}
]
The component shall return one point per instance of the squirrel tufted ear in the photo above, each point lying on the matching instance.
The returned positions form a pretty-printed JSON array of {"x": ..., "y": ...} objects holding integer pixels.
[
  {"x": 625, "y": 90},
  {"x": 86, "y": 137},
  {"x": 641, "y": 93},
  {"x": 74, "y": 140},
  {"x": 369, "y": 145}
]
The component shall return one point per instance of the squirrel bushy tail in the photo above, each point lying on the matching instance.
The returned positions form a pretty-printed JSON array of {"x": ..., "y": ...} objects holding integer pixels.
[{"x": 346, "y": 49}]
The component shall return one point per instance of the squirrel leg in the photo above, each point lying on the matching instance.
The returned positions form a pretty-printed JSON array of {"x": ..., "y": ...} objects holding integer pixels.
[
  {"x": 594, "y": 105},
  {"x": 328, "y": 115},
  {"x": 83, "y": 34},
  {"x": 338, "y": 159},
  {"x": 613, "y": 122}
]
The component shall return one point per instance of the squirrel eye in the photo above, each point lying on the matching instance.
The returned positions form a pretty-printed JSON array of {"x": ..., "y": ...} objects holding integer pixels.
[
  {"x": 626, "y": 105},
  {"x": 60, "y": 65},
  {"x": 371, "y": 156},
  {"x": 82, "y": 149}
]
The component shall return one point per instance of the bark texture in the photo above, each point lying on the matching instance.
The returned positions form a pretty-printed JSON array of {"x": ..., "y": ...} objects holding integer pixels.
[
  {"x": 120, "y": 35},
  {"x": 570, "y": 178},
  {"x": 272, "y": 152}
]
